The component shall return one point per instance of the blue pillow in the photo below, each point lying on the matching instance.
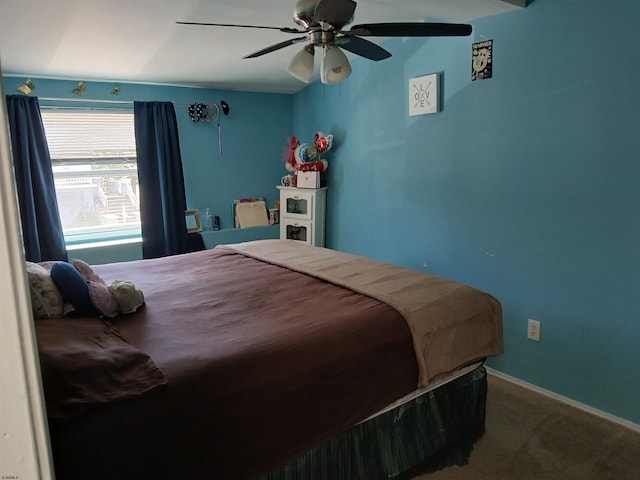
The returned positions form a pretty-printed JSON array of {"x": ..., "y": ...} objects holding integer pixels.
[{"x": 73, "y": 288}]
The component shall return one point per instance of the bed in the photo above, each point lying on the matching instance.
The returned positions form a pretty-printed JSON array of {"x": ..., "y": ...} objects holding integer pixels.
[{"x": 270, "y": 359}]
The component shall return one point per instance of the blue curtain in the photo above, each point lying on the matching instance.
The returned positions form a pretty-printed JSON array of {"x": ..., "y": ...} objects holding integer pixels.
[
  {"x": 41, "y": 226},
  {"x": 162, "y": 196}
]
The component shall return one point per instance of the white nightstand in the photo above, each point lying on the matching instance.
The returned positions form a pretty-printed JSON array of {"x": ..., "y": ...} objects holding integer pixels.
[{"x": 302, "y": 214}]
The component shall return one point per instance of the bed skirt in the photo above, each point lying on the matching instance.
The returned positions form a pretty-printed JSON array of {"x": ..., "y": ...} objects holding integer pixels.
[{"x": 431, "y": 432}]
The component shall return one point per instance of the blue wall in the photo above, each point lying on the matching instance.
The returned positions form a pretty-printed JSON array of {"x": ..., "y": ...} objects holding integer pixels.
[
  {"x": 253, "y": 137},
  {"x": 525, "y": 185}
]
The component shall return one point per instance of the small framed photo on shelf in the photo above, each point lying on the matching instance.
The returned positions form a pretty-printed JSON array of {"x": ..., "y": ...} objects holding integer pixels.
[{"x": 192, "y": 219}]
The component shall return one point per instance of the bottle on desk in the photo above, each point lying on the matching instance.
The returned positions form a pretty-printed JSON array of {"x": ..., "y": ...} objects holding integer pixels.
[{"x": 208, "y": 221}]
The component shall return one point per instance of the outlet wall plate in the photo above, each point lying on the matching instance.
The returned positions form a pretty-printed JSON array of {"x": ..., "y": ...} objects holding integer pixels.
[
  {"x": 424, "y": 94},
  {"x": 533, "y": 330}
]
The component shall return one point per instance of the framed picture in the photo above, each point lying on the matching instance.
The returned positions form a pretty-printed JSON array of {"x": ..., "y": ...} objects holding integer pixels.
[
  {"x": 424, "y": 94},
  {"x": 192, "y": 218}
]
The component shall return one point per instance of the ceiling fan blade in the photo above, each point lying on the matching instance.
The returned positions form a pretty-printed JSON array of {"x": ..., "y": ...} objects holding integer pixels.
[
  {"x": 281, "y": 29},
  {"x": 276, "y": 46},
  {"x": 411, "y": 30},
  {"x": 335, "y": 12},
  {"x": 362, "y": 47}
]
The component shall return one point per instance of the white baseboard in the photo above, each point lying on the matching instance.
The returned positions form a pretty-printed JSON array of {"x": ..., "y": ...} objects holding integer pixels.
[{"x": 581, "y": 406}]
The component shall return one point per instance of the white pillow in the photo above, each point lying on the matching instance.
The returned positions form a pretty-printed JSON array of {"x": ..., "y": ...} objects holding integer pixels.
[{"x": 46, "y": 300}]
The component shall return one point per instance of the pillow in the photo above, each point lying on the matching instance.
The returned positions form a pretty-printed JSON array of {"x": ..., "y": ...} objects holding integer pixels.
[
  {"x": 86, "y": 362},
  {"x": 104, "y": 301},
  {"x": 73, "y": 288},
  {"x": 87, "y": 272},
  {"x": 46, "y": 300},
  {"x": 48, "y": 264},
  {"x": 129, "y": 297}
]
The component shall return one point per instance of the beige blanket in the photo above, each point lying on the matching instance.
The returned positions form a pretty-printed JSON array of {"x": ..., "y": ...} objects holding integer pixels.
[{"x": 452, "y": 324}]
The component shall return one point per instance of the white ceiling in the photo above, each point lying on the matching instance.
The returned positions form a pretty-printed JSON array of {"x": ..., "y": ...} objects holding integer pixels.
[{"x": 139, "y": 41}]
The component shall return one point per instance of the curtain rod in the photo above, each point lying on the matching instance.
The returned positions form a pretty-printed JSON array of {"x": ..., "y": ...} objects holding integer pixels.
[
  {"x": 94, "y": 100},
  {"x": 87, "y": 100}
]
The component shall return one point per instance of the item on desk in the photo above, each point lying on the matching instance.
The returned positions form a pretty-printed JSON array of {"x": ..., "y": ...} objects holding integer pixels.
[
  {"x": 245, "y": 200},
  {"x": 216, "y": 223},
  {"x": 192, "y": 221},
  {"x": 274, "y": 216},
  {"x": 252, "y": 214},
  {"x": 208, "y": 221}
]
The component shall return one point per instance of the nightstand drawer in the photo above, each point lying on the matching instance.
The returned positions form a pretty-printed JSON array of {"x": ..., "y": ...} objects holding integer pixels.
[
  {"x": 301, "y": 231},
  {"x": 298, "y": 204}
]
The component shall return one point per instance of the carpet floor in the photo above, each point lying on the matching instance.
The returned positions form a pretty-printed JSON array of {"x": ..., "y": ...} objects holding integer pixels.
[{"x": 530, "y": 436}]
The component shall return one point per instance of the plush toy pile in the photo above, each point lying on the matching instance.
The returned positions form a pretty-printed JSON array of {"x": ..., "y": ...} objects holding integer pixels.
[
  {"x": 73, "y": 288},
  {"x": 301, "y": 157}
]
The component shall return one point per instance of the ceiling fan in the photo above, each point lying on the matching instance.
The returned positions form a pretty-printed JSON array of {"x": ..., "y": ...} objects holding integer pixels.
[{"x": 322, "y": 23}]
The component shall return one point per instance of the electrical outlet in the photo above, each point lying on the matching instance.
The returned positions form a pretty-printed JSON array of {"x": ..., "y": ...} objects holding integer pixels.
[{"x": 533, "y": 330}]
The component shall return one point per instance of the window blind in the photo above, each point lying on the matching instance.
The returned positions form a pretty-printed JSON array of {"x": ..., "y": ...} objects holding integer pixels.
[{"x": 89, "y": 135}]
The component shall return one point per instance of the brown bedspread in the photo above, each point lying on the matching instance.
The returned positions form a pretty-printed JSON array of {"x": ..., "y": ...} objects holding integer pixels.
[
  {"x": 261, "y": 364},
  {"x": 452, "y": 324},
  {"x": 86, "y": 362}
]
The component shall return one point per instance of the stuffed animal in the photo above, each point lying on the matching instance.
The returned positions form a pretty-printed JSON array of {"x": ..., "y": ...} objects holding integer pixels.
[
  {"x": 306, "y": 157},
  {"x": 323, "y": 142}
]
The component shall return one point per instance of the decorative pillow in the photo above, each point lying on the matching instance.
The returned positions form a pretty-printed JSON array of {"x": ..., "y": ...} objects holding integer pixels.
[
  {"x": 46, "y": 300},
  {"x": 73, "y": 288},
  {"x": 129, "y": 297},
  {"x": 48, "y": 264},
  {"x": 87, "y": 272},
  {"x": 104, "y": 301}
]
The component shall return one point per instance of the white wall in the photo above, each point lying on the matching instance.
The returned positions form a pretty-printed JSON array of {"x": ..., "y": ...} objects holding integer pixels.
[{"x": 24, "y": 448}]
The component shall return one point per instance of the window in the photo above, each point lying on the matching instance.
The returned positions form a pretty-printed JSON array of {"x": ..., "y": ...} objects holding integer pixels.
[{"x": 95, "y": 172}]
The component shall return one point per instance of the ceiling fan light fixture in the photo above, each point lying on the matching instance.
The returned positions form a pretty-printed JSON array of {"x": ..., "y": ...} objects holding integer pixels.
[
  {"x": 335, "y": 65},
  {"x": 301, "y": 65},
  {"x": 322, "y": 24}
]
